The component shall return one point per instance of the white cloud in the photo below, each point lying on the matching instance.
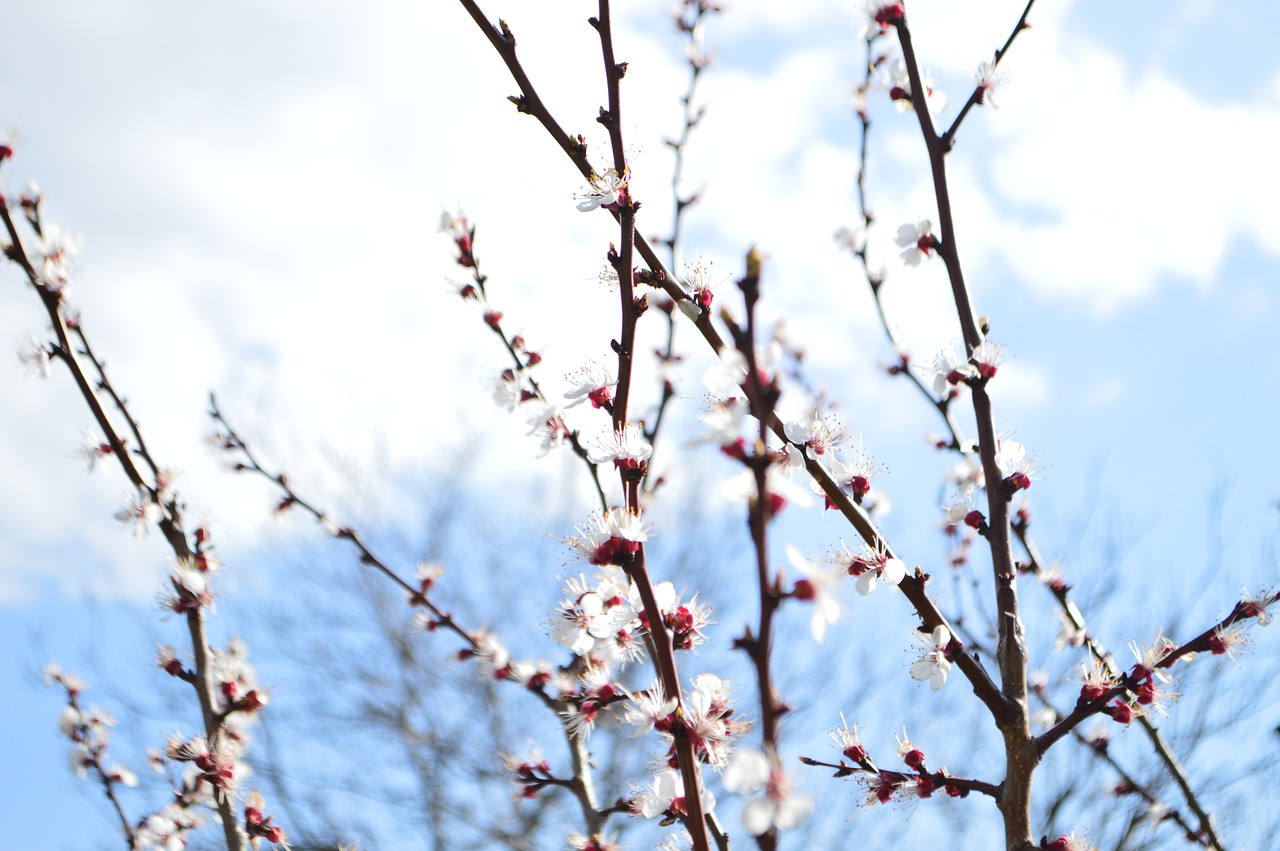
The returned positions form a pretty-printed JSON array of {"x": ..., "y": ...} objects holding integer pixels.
[{"x": 260, "y": 220}]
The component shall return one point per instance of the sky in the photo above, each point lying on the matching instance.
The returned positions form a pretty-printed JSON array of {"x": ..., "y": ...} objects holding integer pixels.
[{"x": 258, "y": 187}]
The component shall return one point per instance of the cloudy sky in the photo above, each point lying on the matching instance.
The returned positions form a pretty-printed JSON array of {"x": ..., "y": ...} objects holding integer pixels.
[{"x": 258, "y": 186}]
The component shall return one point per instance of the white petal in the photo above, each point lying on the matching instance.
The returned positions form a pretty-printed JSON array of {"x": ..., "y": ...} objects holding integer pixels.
[
  {"x": 818, "y": 624},
  {"x": 757, "y": 816},
  {"x": 747, "y": 773},
  {"x": 798, "y": 561},
  {"x": 792, "y": 811},
  {"x": 923, "y": 669}
]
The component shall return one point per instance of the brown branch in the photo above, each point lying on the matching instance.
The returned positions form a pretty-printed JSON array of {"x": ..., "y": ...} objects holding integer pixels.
[
  {"x": 171, "y": 517},
  {"x": 470, "y": 260},
  {"x": 949, "y": 137},
  {"x": 1020, "y": 751},
  {"x": 583, "y": 789},
  {"x": 760, "y": 647},
  {"x": 1164, "y": 751},
  {"x": 1130, "y": 783},
  {"x": 504, "y": 42}
]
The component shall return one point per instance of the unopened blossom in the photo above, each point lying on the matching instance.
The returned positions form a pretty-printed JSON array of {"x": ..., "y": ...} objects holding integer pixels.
[
  {"x": 988, "y": 80},
  {"x": 140, "y": 511},
  {"x": 916, "y": 241},
  {"x": 780, "y": 808},
  {"x": 605, "y": 191},
  {"x": 934, "y": 665},
  {"x": 1121, "y": 711},
  {"x": 627, "y": 448},
  {"x": 34, "y": 357},
  {"x": 817, "y": 588},
  {"x": 590, "y": 383}
]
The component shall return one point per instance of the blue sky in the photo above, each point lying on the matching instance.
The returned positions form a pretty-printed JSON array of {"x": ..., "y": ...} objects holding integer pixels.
[{"x": 258, "y": 187}]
